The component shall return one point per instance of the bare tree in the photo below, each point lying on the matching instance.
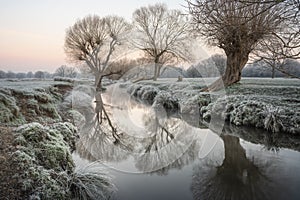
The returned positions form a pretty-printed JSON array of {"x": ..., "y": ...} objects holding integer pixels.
[
  {"x": 284, "y": 44},
  {"x": 39, "y": 74},
  {"x": 65, "y": 71},
  {"x": 122, "y": 66},
  {"x": 93, "y": 40},
  {"x": 29, "y": 75},
  {"x": 237, "y": 27},
  {"x": 162, "y": 35},
  {"x": 270, "y": 55}
]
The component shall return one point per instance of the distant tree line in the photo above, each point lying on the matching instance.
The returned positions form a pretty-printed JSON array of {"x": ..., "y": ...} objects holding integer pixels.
[
  {"x": 23, "y": 75},
  {"x": 287, "y": 68},
  {"x": 63, "y": 71},
  {"x": 213, "y": 66}
]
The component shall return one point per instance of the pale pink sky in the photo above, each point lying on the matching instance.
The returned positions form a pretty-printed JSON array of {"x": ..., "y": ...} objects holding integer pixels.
[{"x": 32, "y": 31}]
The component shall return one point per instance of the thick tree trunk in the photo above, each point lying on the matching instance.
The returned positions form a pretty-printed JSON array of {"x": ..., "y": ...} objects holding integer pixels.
[
  {"x": 157, "y": 67},
  {"x": 236, "y": 61}
]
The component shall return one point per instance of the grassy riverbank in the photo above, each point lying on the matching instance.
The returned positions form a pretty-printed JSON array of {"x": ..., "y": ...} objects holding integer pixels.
[
  {"x": 271, "y": 104},
  {"x": 37, "y": 140}
]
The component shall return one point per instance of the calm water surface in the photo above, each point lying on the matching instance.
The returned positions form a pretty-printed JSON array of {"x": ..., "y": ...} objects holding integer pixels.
[{"x": 160, "y": 157}]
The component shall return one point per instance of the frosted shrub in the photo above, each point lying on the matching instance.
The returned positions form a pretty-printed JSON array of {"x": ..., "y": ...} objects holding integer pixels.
[
  {"x": 148, "y": 93},
  {"x": 237, "y": 109},
  {"x": 145, "y": 93},
  {"x": 68, "y": 132},
  {"x": 248, "y": 113},
  {"x": 220, "y": 108},
  {"x": 195, "y": 103},
  {"x": 51, "y": 145},
  {"x": 45, "y": 160},
  {"x": 166, "y": 101},
  {"x": 18, "y": 106},
  {"x": 133, "y": 89}
]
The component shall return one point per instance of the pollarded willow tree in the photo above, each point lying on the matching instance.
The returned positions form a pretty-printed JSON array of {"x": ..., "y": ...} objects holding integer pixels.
[
  {"x": 237, "y": 27},
  {"x": 94, "y": 40},
  {"x": 162, "y": 34}
]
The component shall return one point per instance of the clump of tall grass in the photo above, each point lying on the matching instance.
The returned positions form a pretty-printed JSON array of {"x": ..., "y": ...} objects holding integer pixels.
[
  {"x": 91, "y": 183},
  {"x": 272, "y": 121}
]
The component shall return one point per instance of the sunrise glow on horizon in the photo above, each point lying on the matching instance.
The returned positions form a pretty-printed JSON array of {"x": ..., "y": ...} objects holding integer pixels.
[{"x": 32, "y": 32}]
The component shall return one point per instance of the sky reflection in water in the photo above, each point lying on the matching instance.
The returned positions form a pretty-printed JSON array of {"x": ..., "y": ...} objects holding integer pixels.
[{"x": 166, "y": 158}]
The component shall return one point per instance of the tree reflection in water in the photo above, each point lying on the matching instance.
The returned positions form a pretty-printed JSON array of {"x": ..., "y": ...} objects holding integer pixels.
[
  {"x": 165, "y": 143},
  {"x": 172, "y": 144},
  {"x": 99, "y": 139},
  {"x": 237, "y": 177}
]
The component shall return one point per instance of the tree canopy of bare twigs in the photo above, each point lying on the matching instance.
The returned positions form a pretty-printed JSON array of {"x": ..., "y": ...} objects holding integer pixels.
[
  {"x": 65, "y": 71},
  {"x": 162, "y": 34},
  {"x": 93, "y": 40},
  {"x": 239, "y": 27},
  {"x": 284, "y": 44}
]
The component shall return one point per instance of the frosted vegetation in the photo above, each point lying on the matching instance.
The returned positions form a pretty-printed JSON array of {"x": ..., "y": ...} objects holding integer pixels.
[
  {"x": 45, "y": 160},
  {"x": 27, "y": 101},
  {"x": 271, "y": 104},
  {"x": 45, "y": 137},
  {"x": 44, "y": 114}
]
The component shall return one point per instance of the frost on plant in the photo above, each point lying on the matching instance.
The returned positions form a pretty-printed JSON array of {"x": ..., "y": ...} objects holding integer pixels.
[
  {"x": 90, "y": 183},
  {"x": 44, "y": 158},
  {"x": 148, "y": 93},
  {"x": 21, "y": 105},
  {"x": 165, "y": 101},
  {"x": 9, "y": 111},
  {"x": 249, "y": 111},
  {"x": 144, "y": 93},
  {"x": 133, "y": 89},
  {"x": 272, "y": 121}
]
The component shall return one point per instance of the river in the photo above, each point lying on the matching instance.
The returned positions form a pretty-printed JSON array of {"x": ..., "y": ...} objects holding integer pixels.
[{"x": 156, "y": 156}]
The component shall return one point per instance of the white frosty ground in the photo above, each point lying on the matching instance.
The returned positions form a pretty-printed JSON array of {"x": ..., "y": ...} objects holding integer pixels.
[{"x": 272, "y": 104}]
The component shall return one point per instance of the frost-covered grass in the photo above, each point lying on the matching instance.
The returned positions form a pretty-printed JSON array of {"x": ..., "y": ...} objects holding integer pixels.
[
  {"x": 44, "y": 143},
  {"x": 46, "y": 169},
  {"x": 90, "y": 183},
  {"x": 272, "y": 104},
  {"x": 159, "y": 99},
  {"x": 30, "y": 101},
  {"x": 44, "y": 159},
  {"x": 9, "y": 111},
  {"x": 29, "y": 85}
]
